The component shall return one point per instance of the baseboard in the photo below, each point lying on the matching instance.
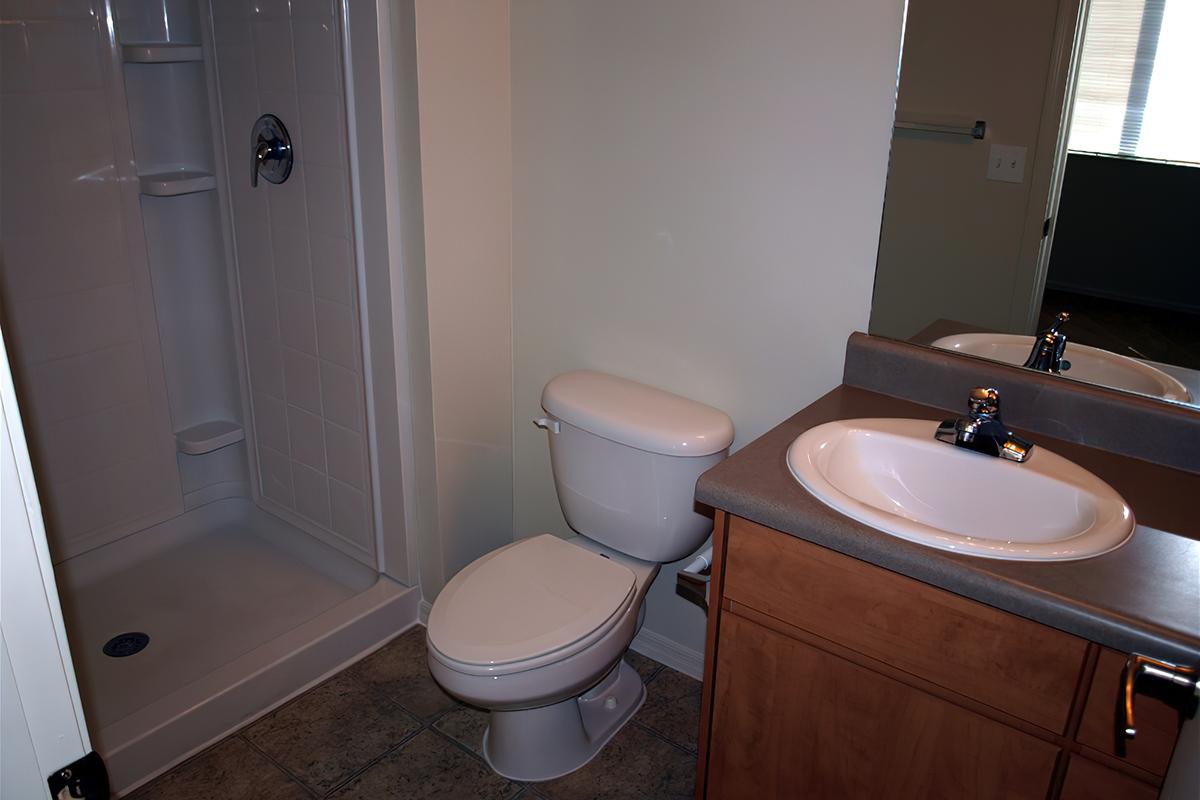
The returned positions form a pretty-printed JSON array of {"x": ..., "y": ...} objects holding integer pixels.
[
  {"x": 669, "y": 652},
  {"x": 423, "y": 612}
]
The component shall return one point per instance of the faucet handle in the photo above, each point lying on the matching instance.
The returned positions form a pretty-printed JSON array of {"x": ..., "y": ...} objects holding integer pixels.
[
  {"x": 984, "y": 401},
  {"x": 1059, "y": 320}
]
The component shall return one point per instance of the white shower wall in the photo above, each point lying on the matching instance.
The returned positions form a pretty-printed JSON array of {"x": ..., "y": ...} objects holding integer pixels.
[
  {"x": 295, "y": 256},
  {"x": 77, "y": 299}
]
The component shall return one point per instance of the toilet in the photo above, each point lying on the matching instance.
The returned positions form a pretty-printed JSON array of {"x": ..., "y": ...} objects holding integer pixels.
[{"x": 535, "y": 631}]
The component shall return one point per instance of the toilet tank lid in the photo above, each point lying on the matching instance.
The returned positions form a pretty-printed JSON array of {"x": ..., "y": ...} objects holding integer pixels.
[{"x": 637, "y": 415}]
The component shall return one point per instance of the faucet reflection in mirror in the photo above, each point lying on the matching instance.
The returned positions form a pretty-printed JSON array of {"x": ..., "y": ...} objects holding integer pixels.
[{"x": 1047, "y": 353}]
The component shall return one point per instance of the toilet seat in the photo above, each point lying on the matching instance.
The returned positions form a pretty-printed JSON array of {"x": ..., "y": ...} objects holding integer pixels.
[{"x": 530, "y": 603}]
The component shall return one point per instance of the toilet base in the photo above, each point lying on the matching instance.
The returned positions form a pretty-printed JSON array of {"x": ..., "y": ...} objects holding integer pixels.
[{"x": 540, "y": 744}]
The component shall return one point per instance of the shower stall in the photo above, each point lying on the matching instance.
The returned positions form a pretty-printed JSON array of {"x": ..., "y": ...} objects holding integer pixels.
[{"x": 186, "y": 306}]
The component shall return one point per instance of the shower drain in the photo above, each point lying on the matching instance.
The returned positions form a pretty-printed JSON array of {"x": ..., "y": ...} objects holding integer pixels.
[{"x": 126, "y": 644}]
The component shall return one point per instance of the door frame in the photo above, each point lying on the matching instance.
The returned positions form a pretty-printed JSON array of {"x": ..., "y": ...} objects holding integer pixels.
[
  {"x": 1037, "y": 235},
  {"x": 39, "y": 676}
]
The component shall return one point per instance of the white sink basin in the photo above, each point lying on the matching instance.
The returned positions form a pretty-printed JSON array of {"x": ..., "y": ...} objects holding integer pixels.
[
  {"x": 893, "y": 475},
  {"x": 1087, "y": 363}
]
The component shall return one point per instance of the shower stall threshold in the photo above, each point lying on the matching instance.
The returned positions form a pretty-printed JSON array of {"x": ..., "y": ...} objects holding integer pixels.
[{"x": 164, "y": 733}]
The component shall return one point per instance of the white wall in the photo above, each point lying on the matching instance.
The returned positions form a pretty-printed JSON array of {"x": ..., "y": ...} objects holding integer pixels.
[
  {"x": 295, "y": 248},
  {"x": 697, "y": 190},
  {"x": 466, "y": 172},
  {"x": 75, "y": 282}
]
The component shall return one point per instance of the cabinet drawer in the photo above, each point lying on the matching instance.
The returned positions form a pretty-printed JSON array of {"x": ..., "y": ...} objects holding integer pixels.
[
  {"x": 1013, "y": 664},
  {"x": 1087, "y": 780},
  {"x": 791, "y": 720},
  {"x": 1157, "y": 723}
]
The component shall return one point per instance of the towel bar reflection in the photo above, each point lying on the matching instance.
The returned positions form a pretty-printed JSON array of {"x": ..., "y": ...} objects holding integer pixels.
[{"x": 975, "y": 131}]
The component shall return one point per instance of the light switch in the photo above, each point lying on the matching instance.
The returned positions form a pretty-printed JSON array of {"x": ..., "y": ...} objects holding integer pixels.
[{"x": 1006, "y": 162}]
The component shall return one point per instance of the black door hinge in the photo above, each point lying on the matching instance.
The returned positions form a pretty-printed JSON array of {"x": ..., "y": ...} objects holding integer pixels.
[
  {"x": 1046, "y": 227},
  {"x": 85, "y": 779}
]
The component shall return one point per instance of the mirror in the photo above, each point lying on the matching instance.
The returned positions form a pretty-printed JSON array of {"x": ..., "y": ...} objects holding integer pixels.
[{"x": 1046, "y": 159}]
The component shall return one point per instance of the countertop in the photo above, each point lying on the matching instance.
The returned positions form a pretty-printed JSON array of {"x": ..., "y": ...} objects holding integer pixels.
[{"x": 1143, "y": 597}]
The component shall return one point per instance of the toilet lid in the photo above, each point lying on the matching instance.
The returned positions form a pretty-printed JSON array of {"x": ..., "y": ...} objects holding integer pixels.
[{"x": 525, "y": 600}]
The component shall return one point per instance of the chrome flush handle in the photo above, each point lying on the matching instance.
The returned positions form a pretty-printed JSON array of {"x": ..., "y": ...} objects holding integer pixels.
[{"x": 1185, "y": 679}]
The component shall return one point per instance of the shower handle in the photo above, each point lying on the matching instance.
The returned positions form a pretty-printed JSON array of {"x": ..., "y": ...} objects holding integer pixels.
[{"x": 271, "y": 151}]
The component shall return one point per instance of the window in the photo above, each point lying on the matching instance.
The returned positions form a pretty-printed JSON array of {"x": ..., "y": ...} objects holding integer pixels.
[{"x": 1139, "y": 81}]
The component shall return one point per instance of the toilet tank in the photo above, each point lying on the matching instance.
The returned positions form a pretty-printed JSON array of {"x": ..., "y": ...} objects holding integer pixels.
[{"x": 626, "y": 457}]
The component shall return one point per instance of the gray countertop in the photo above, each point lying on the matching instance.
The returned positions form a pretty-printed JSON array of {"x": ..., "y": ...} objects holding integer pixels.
[{"x": 1143, "y": 597}]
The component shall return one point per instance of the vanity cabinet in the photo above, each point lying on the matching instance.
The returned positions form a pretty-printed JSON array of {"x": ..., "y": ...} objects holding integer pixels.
[{"x": 826, "y": 676}]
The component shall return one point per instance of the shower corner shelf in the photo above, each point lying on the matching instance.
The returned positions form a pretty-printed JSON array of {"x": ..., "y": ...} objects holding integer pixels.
[
  {"x": 208, "y": 436},
  {"x": 171, "y": 184},
  {"x": 161, "y": 53}
]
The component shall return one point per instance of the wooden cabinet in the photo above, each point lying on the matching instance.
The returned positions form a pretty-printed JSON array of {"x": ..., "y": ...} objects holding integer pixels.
[
  {"x": 1006, "y": 661},
  {"x": 1087, "y": 780},
  {"x": 826, "y": 676},
  {"x": 789, "y": 715}
]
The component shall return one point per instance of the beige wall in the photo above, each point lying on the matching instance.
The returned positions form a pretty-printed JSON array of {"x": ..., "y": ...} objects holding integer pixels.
[
  {"x": 466, "y": 173},
  {"x": 697, "y": 190},
  {"x": 695, "y": 193},
  {"x": 952, "y": 241}
]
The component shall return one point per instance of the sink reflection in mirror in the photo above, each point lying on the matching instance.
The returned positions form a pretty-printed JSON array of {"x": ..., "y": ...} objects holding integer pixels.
[
  {"x": 893, "y": 475},
  {"x": 1064, "y": 198},
  {"x": 1089, "y": 364}
]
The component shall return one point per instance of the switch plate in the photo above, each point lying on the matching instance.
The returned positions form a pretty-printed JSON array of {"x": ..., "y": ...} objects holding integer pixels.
[{"x": 1006, "y": 162}]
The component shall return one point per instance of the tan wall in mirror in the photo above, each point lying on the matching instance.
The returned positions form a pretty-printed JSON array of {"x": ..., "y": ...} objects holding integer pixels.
[{"x": 953, "y": 244}]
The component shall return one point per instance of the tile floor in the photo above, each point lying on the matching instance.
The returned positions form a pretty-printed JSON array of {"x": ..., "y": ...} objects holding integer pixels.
[{"x": 382, "y": 728}]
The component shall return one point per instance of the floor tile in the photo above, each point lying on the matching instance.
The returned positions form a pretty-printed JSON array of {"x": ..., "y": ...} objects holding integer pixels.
[
  {"x": 231, "y": 770},
  {"x": 349, "y": 738},
  {"x": 646, "y": 667},
  {"x": 429, "y": 767},
  {"x": 466, "y": 726},
  {"x": 400, "y": 671},
  {"x": 635, "y": 765},
  {"x": 672, "y": 707},
  {"x": 326, "y": 734}
]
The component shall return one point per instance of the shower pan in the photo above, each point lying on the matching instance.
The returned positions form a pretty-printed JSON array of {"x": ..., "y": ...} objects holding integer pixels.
[{"x": 191, "y": 363}]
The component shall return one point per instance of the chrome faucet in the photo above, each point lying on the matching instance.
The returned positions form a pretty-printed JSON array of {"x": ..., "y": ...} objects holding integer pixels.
[
  {"x": 982, "y": 430},
  {"x": 1047, "y": 353}
]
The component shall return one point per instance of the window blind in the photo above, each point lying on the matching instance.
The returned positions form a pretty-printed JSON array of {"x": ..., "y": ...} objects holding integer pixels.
[{"x": 1138, "y": 87}]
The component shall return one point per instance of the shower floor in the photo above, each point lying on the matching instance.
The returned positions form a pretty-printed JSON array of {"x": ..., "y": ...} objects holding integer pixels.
[{"x": 231, "y": 598}]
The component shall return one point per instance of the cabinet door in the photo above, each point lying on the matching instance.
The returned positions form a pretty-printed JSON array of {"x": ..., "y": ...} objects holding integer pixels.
[
  {"x": 1087, "y": 780},
  {"x": 793, "y": 721},
  {"x": 1014, "y": 664}
]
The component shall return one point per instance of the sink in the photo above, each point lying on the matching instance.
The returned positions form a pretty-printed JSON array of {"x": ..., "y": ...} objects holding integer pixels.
[
  {"x": 893, "y": 475},
  {"x": 1089, "y": 364}
]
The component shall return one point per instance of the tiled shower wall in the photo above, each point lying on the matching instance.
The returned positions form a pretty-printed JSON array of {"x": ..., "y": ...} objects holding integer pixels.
[
  {"x": 296, "y": 265},
  {"x": 78, "y": 311}
]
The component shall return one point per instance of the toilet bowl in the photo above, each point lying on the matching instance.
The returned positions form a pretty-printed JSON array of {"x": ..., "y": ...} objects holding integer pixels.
[
  {"x": 534, "y": 632},
  {"x": 557, "y": 619}
]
